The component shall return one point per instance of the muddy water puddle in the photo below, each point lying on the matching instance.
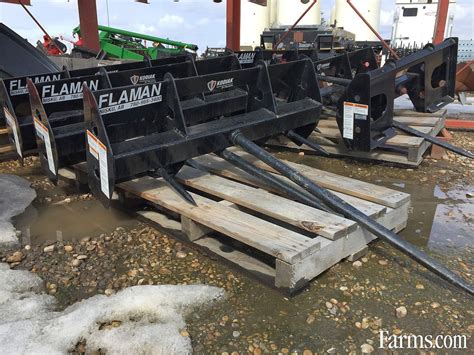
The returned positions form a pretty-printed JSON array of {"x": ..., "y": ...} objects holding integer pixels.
[
  {"x": 441, "y": 218},
  {"x": 69, "y": 221}
]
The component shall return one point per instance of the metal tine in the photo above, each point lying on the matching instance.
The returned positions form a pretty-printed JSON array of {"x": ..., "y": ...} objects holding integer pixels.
[
  {"x": 334, "y": 80},
  {"x": 351, "y": 212},
  {"x": 295, "y": 137},
  {"x": 273, "y": 181},
  {"x": 176, "y": 186},
  {"x": 433, "y": 140}
]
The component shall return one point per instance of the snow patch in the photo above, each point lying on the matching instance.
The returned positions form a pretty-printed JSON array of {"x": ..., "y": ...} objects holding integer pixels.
[
  {"x": 136, "y": 320},
  {"x": 15, "y": 197}
]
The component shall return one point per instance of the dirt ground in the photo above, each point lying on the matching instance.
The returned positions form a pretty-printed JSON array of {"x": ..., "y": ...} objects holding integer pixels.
[{"x": 342, "y": 311}]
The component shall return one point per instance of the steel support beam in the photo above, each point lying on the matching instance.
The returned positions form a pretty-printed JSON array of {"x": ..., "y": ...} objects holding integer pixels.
[
  {"x": 233, "y": 24},
  {"x": 89, "y": 24},
  {"x": 441, "y": 19}
]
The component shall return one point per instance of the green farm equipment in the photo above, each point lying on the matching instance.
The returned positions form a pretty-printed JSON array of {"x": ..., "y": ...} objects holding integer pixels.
[{"x": 117, "y": 43}]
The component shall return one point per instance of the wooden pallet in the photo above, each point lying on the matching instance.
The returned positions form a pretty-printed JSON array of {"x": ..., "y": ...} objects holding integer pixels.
[
  {"x": 409, "y": 150},
  {"x": 276, "y": 239},
  {"x": 6, "y": 148}
]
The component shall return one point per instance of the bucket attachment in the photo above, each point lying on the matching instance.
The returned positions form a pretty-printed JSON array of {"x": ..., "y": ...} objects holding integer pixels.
[
  {"x": 365, "y": 110},
  {"x": 19, "y": 57},
  {"x": 169, "y": 122}
]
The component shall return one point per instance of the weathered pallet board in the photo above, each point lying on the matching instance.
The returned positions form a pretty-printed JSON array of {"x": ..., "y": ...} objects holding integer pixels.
[
  {"x": 6, "y": 148},
  {"x": 353, "y": 187},
  {"x": 408, "y": 150},
  {"x": 302, "y": 241},
  {"x": 272, "y": 239}
]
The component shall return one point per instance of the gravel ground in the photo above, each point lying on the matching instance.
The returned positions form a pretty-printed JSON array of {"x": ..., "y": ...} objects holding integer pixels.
[{"x": 341, "y": 311}]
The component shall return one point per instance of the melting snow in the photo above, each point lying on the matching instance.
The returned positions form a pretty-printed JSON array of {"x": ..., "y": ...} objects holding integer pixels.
[
  {"x": 147, "y": 319},
  {"x": 15, "y": 197},
  {"x": 136, "y": 320}
]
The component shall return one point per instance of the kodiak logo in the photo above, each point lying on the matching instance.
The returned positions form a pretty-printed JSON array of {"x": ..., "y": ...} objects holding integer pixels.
[
  {"x": 220, "y": 84},
  {"x": 134, "y": 79},
  {"x": 143, "y": 79},
  {"x": 211, "y": 85}
]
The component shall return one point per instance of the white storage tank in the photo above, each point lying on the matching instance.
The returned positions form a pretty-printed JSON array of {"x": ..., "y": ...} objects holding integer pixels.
[
  {"x": 346, "y": 17},
  {"x": 254, "y": 19},
  {"x": 286, "y": 12}
]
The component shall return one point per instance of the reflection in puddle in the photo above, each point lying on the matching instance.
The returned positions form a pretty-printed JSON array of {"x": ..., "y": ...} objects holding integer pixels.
[
  {"x": 74, "y": 220},
  {"x": 453, "y": 227},
  {"x": 441, "y": 220}
]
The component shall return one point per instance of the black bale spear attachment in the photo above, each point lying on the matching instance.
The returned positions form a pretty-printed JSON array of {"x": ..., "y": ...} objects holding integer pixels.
[
  {"x": 182, "y": 123},
  {"x": 57, "y": 113},
  {"x": 15, "y": 103},
  {"x": 365, "y": 102},
  {"x": 61, "y": 143},
  {"x": 174, "y": 138}
]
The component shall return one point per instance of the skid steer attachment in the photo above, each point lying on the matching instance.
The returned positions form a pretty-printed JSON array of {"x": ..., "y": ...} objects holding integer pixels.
[
  {"x": 240, "y": 99},
  {"x": 15, "y": 100},
  {"x": 16, "y": 108},
  {"x": 249, "y": 59},
  {"x": 365, "y": 110},
  {"x": 112, "y": 68},
  {"x": 57, "y": 109},
  {"x": 362, "y": 60},
  {"x": 159, "y": 138},
  {"x": 340, "y": 69},
  {"x": 67, "y": 138},
  {"x": 347, "y": 65},
  {"x": 108, "y": 68}
]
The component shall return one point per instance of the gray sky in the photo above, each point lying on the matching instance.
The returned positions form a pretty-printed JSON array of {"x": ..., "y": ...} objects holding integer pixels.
[{"x": 194, "y": 21}]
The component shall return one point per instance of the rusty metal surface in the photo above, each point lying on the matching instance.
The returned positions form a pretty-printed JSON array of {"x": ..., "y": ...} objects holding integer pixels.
[{"x": 465, "y": 77}]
